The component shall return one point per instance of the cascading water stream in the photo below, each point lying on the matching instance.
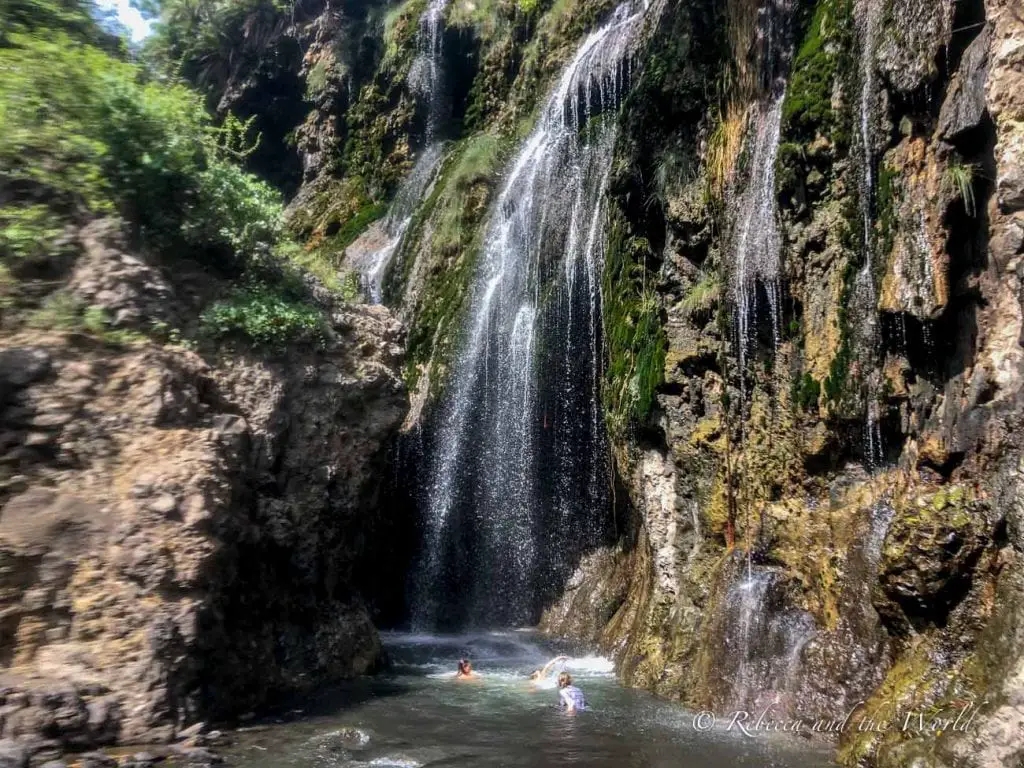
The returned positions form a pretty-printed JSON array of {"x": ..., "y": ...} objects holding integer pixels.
[
  {"x": 426, "y": 79},
  {"x": 757, "y": 240},
  {"x": 426, "y": 75},
  {"x": 517, "y": 479},
  {"x": 764, "y": 640},
  {"x": 399, "y": 217},
  {"x": 865, "y": 293}
]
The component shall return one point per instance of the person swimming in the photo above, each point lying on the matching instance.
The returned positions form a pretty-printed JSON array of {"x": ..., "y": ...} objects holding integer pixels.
[
  {"x": 465, "y": 671},
  {"x": 540, "y": 674},
  {"x": 569, "y": 696}
]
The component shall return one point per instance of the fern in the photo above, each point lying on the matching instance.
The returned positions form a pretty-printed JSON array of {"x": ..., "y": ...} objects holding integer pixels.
[
  {"x": 704, "y": 294},
  {"x": 960, "y": 180}
]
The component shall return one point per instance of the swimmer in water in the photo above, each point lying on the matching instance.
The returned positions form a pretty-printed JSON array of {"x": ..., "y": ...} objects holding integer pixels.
[
  {"x": 538, "y": 675},
  {"x": 569, "y": 696},
  {"x": 466, "y": 671}
]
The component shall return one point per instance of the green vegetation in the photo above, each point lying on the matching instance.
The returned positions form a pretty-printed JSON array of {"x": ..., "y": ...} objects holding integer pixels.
[
  {"x": 30, "y": 233},
  {"x": 318, "y": 77},
  {"x": 837, "y": 383},
  {"x": 357, "y": 224},
  {"x": 264, "y": 318},
  {"x": 806, "y": 392},
  {"x": 456, "y": 211},
  {"x": 19, "y": 17},
  {"x": 888, "y": 190},
  {"x": 959, "y": 179},
  {"x": 208, "y": 40},
  {"x": 61, "y": 312},
  {"x": 400, "y": 27},
  {"x": 824, "y": 54},
  {"x": 465, "y": 196},
  {"x": 634, "y": 332},
  {"x": 85, "y": 133},
  {"x": 704, "y": 295},
  {"x": 88, "y": 134},
  {"x": 722, "y": 155}
]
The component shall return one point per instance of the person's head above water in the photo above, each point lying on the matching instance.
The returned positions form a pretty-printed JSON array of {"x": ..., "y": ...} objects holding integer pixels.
[
  {"x": 564, "y": 680},
  {"x": 465, "y": 668}
]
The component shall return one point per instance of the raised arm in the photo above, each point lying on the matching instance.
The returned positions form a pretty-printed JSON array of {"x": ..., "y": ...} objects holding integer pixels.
[{"x": 550, "y": 664}]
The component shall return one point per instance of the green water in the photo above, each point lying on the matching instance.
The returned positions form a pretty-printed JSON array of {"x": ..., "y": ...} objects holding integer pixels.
[{"x": 418, "y": 715}]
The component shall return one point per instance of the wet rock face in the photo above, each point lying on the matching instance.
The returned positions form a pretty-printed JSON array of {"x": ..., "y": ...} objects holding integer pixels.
[
  {"x": 915, "y": 31},
  {"x": 929, "y": 554},
  {"x": 178, "y": 538},
  {"x": 867, "y": 456},
  {"x": 965, "y": 108}
]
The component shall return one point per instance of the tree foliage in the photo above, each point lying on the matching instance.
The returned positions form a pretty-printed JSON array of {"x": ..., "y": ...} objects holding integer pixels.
[{"x": 85, "y": 132}]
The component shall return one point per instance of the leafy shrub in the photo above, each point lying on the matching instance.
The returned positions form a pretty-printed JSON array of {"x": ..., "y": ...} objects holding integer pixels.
[
  {"x": 88, "y": 132},
  {"x": 28, "y": 233},
  {"x": 264, "y": 318}
]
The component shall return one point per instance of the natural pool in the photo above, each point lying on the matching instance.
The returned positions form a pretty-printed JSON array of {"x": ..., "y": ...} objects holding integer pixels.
[{"x": 418, "y": 715}]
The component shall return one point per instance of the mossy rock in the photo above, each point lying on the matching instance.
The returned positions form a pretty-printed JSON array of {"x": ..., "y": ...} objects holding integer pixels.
[
  {"x": 824, "y": 57},
  {"x": 929, "y": 554},
  {"x": 448, "y": 231},
  {"x": 913, "y": 684}
]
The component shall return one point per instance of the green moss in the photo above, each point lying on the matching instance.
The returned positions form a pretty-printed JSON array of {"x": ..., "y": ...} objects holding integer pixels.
[
  {"x": 806, "y": 392},
  {"x": 824, "y": 53},
  {"x": 634, "y": 333},
  {"x": 791, "y": 159},
  {"x": 888, "y": 202},
  {"x": 703, "y": 295},
  {"x": 455, "y": 212},
  {"x": 836, "y": 384},
  {"x": 357, "y": 224},
  {"x": 400, "y": 27},
  {"x": 908, "y": 686}
]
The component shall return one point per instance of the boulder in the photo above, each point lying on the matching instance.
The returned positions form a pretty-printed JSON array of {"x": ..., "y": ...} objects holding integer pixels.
[
  {"x": 13, "y": 754},
  {"x": 965, "y": 106}
]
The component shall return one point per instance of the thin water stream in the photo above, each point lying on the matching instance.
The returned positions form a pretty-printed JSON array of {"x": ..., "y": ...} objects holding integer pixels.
[
  {"x": 418, "y": 716},
  {"x": 426, "y": 80}
]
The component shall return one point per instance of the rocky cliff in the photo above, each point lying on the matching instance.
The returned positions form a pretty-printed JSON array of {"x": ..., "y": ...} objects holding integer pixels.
[
  {"x": 182, "y": 535},
  {"x": 826, "y": 485},
  {"x": 812, "y": 316},
  {"x": 811, "y": 328}
]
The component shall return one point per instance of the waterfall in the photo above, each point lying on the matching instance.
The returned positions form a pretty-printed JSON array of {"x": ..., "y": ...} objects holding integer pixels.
[
  {"x": 764, "y": 640},
  {"x": 757, "y": 240},
  {"x": 517, "y": 478},
  {"x": 399, "y": 217},
  {"x": 865, "y": 294},
  {"x": 426, "y": 75},
  {"x": 426, "y": 80}
]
